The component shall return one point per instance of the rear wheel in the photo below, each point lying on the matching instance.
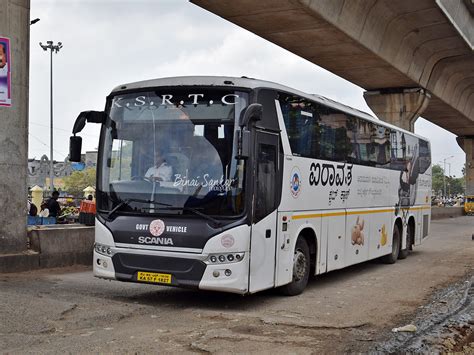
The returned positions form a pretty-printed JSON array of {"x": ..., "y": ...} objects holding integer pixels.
[
  {"x": 393, "y": 256},
  {"x": 301, "y": 267},
  {"x": 410, "y": 238}
]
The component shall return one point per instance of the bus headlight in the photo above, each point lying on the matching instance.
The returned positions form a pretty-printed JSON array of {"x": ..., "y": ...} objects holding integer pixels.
[
  {"x": 224, "y": 258},
  {"x": 103, "y": 249}
]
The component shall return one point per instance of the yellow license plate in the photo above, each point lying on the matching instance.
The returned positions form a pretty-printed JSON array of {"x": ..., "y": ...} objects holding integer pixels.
[{"x": 154, "y": 277}]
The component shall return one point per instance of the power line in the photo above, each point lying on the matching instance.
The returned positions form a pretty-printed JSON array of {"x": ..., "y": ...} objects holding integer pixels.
[
  {"x": 46, "y": 145},
  {"x": 62, "y": 129}
]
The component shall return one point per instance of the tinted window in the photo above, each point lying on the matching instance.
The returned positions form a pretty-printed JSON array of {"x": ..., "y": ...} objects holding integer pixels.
[
  {"x": 266, "y": 175},
  {"x": 370, "y": 143},
  {"x": 314, "y": 130},
  {"x": 425, "y": 156},
  {"x": 320, "y": 132}
]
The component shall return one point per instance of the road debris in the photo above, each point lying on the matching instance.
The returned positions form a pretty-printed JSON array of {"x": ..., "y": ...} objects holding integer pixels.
[{"x": 406, "y": 328}]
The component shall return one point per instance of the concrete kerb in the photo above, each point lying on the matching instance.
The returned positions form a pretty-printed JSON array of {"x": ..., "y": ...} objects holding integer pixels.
[
  {"x": 52, "y": 246},
  {"x": 446, "y": 212}
]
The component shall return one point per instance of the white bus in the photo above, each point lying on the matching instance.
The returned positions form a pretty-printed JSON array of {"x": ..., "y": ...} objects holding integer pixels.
[{"x": 241, "y": 185}]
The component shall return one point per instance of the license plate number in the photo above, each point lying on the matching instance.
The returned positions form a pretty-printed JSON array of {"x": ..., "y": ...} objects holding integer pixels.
[{"x": 154, "y": 277}]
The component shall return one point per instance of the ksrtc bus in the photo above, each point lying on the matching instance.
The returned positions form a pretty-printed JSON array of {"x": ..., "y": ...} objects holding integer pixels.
[{"x": 241, "y": 185}]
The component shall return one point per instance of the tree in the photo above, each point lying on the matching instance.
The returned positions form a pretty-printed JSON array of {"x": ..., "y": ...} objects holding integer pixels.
[
  {"x": 454, "y": 186},
  {"x": 437, "y": 178},
  {"x": 79, "y": 180}
]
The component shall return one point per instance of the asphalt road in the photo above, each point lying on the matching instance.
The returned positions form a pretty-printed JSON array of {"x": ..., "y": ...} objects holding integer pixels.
[{"x": 68, "y": 310}]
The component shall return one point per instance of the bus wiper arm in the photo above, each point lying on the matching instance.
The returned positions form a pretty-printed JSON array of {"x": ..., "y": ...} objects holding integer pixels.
[
  {"x": 199, "y": 213},
  {"x": 196, "y": 212},
  {"x": 127, "y": 202}
]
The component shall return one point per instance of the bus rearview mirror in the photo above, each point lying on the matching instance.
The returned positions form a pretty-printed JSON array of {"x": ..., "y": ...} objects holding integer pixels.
[
  {"x": 75, "y": 146},
  {"x": 245, "y": 144},
  {"x": 252, "y": 112},
  {"x": 88, "y": 116},
  {"x": 242, "y": 137},
  {"x": 79, "y": 124}
]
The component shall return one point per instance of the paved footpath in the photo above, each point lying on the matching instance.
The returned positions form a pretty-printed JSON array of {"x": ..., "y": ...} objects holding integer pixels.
[{"x": 68, "y": 310}]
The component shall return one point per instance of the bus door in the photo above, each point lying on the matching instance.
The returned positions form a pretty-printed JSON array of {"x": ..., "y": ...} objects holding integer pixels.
[{"x": 263, "y": 237}]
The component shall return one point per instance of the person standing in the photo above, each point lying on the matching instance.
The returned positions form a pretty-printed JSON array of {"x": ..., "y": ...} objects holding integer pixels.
[{"x": 53, "y": 205}]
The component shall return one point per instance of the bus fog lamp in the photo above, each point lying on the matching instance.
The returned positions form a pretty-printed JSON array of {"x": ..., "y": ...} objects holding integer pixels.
[
  {"x": 216, "y": 273},
  {"x": 224, "y": 258},
  {"x": 227, "y": 272}
]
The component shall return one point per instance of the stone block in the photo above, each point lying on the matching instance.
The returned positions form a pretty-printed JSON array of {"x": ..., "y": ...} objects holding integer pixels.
[{"x": 19, "y": 262}]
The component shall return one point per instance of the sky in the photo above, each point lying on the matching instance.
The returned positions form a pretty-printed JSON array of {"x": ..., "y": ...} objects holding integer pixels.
[{"x": 107, "y": 43}]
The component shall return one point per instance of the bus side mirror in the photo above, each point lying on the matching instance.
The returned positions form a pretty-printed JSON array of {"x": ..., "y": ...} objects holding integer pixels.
[
  {"x": 252, "y": 112},
  {"x": 75, "y": 143},
  {"x": 88, "y": 116},
  {"x": 75, "y": 146}
]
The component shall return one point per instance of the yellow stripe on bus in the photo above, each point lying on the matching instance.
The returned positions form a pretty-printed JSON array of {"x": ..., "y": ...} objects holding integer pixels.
[{"x": 333, "y": 214}]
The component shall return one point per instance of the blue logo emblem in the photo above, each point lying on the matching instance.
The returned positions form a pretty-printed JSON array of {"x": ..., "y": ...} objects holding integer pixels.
[{"x": 295, "y": 183}]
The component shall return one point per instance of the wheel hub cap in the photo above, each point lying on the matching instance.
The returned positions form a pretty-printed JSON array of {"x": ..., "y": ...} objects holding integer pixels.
[{"x": 299, "y": 265}]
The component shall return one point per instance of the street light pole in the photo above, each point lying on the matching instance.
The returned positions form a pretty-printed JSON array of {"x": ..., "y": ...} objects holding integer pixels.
[
  {"x": 444, "y": 174},
  {"x": 53, "y": 48}
]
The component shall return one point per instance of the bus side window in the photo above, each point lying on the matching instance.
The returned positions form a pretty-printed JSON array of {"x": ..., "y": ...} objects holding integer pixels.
[
  {"x": 266, "y": 176},
  {"x": 425, "y": 156}
]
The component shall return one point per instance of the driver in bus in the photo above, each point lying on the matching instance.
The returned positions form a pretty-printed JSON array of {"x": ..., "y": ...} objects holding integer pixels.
[{"x": 161, "y": 170}]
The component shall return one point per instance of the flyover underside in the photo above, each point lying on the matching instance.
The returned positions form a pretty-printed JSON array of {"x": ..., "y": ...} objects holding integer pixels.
[{"x": 376, "y": 44}]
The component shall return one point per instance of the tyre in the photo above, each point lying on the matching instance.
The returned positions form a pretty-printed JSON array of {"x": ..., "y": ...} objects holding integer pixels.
[
  {"x": 410, "y": 237},
  {"x": 301, "y": 267},
  {"x": 393, "y": 256}
]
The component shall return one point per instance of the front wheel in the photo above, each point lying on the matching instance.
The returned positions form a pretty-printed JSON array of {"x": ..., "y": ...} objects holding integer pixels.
[
  {"x": 301, "y": 267},
  {"x": 393, "y": 256}
]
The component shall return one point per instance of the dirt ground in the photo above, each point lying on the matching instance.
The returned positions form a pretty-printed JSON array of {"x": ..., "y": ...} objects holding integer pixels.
[{"x": 350, "y": 310}]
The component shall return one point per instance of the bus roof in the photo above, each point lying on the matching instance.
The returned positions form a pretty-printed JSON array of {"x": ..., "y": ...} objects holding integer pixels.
[{"x": 251, "y": 83}]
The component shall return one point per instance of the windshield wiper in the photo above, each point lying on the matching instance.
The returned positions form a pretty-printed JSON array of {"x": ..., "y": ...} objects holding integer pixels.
[
  {"x": 127, "y": 201},
  {"x": 216, "y": 222}
]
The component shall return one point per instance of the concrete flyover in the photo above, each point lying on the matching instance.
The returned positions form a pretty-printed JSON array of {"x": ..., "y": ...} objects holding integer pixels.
[{"x": 413, "y": 57}]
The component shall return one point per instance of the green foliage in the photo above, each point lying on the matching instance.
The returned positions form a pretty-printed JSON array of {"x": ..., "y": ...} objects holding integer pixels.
[
  {"x": 437, "y": 179},
  {"x": 79, "y": 180},
  {"x": 454, "y": 186}
]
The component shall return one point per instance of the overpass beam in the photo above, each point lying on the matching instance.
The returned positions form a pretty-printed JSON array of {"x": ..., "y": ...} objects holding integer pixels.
[
  {"x": 399, "y": 106},
  {"x": 467, "y": 144}
]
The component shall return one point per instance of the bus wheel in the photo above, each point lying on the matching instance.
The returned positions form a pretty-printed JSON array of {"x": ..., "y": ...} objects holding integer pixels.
[
  {"x": 301, "y": 267},
  {"x": 410, "y": 237},
  {"x": 393, "y": 256}
]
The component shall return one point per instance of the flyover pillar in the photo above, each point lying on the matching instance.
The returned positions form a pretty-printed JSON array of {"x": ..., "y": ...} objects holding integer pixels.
[
  {"x": 467, "y": 144},
  {"x": 400, "y": 107},
  {"x": 15, "y": 33}
]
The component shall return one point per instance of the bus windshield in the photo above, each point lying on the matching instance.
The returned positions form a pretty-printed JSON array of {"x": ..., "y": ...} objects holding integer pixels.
[{"x": 173, "y": 152}]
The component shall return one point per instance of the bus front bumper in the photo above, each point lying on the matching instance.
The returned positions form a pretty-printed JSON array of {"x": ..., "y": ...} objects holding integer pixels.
[{"x": 185, "y": 272}]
